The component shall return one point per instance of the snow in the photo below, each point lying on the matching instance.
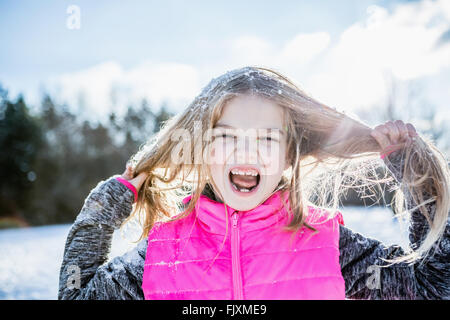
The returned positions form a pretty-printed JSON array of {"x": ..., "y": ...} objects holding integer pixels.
[
  {"x": 31, "y": 257},
  {"x": 31, "y": 260},
  {"x": 377, "y": 223}
]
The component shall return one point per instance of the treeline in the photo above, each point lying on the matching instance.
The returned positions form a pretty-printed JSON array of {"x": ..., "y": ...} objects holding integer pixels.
[{"x": 50, "y": 160}]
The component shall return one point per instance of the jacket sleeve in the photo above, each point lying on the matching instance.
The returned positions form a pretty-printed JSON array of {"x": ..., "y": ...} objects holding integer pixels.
[
  {"x": 367, "y": 276},
  {"x": 85, "y": 272}
]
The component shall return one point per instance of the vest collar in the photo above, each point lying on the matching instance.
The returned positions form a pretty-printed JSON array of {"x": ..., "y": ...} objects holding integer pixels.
[{"x": 214, "y": 218}]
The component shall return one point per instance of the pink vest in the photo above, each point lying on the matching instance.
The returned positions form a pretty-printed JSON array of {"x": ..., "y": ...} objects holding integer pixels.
[{"x": 203, "y": 257}]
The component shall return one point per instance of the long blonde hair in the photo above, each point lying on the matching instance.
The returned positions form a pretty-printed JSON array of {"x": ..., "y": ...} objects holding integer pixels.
[{"x": 329, "y": 152}]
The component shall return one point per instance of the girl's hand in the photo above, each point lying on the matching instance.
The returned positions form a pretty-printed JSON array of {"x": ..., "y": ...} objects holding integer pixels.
[
  {"x": 393, "y": 136},
  {"x": 137, "y": 181}
]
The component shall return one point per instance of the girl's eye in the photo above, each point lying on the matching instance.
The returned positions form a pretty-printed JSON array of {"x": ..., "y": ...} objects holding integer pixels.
[
  {"x": 224, "y": 136},
  {"x": 266, "y": 138}
]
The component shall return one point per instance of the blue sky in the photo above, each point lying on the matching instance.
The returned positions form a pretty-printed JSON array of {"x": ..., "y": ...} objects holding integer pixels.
[
  {"x": 168, "y": 50},
  {"x": 39, "y": 41}
]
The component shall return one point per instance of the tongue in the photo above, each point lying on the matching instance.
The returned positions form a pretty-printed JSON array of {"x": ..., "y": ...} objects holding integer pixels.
[{"x": 243, "y": 181}]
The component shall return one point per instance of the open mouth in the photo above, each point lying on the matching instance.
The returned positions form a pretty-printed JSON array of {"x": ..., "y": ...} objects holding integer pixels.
[{"x": 244, "y": 179}]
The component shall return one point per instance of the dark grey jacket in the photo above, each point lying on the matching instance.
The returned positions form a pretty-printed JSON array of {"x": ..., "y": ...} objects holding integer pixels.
[{"x": 86, "y": 274}]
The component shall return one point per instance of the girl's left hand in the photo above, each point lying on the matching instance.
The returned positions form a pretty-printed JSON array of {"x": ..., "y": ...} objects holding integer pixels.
[
  {"x": 393, "y": 135},
  {"x": 137, "y": 181}
]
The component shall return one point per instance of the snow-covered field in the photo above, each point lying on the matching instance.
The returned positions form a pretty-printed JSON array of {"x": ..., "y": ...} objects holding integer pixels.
[{"x": 30, "y": 258}]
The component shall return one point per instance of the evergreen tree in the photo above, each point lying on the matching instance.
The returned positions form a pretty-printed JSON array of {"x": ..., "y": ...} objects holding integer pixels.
[{"x": 20, "y": 139}]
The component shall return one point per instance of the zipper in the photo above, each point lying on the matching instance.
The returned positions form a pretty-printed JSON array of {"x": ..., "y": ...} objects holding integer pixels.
[{"x": 235, "y": 256}]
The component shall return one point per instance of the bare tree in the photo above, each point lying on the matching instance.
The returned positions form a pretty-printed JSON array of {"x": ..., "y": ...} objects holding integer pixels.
[{"x": 405, "y": 101}]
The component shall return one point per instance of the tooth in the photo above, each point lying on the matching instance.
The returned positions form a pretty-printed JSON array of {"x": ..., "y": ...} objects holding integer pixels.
[{"x": 244, "y": 172}]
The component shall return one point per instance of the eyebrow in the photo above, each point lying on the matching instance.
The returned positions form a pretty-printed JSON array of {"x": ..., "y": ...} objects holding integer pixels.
[{"x": 222, "y": 125}]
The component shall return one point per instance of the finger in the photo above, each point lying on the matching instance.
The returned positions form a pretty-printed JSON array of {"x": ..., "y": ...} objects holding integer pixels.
[
  {"x": 128, "y": 173},
  {"x": 142, "y": 176},
  {"x": 393, "y": 132},
  {"x": 139, "y": 180},
  {"x": 402, "y": 129},
  {"x": 381, "y": 128},
  {"x": 411, "y": 130},
  {"x": 380, "y": 137}
]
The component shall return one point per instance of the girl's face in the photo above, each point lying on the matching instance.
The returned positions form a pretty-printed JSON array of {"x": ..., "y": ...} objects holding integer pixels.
[{"x": 248, "y": 151}]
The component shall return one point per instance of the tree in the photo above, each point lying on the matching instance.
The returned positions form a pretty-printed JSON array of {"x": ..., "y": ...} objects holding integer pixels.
[
  {"x": 20, "y": 139},
  {"x": 51, "y": 161},
  {"x": 161, "y": 116},
  {"x": 405, "y": 101}
]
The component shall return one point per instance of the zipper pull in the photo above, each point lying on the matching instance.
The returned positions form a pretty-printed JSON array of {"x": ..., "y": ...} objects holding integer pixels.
[{"x": 235, "y": 218}]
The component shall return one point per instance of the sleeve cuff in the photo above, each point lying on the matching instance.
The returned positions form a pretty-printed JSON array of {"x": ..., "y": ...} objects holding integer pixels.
[
  {"x": 340, "y": 218},
  {"x": 130, "y": 186}
]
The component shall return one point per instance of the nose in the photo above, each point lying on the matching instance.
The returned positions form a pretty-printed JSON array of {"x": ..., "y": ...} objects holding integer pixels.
[{"x": 246, "y": 150}]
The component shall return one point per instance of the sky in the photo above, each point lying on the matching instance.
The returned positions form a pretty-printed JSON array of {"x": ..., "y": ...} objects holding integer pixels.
[{"x": 104, "y": 55}]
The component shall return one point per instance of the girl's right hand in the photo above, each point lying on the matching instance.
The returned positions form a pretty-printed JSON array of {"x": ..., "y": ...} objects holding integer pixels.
[{"x": 137, "y": 181}]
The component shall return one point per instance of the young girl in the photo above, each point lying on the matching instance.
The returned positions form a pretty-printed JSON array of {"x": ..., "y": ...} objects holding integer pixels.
[{"x": 238, "y": 198}]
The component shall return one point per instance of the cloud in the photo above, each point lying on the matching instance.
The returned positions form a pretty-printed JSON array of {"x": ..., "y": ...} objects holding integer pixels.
[
  {"x": 303, "y": 47},
  {"x": 403, "y": 42},
  {"x": 255, "y": 50},
  {"x": 400, "y": 44},
  {"x": 108, "y": 87},
  {"x": 89, "y": 88},
  {"x": 250, "y": 50},
  {"x": 408, "y": 43},
  {"x": 174, "y": 83}
]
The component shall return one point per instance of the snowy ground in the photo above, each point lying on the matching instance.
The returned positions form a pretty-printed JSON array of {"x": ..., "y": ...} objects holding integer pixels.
[{"x": 30, "y": 258}]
